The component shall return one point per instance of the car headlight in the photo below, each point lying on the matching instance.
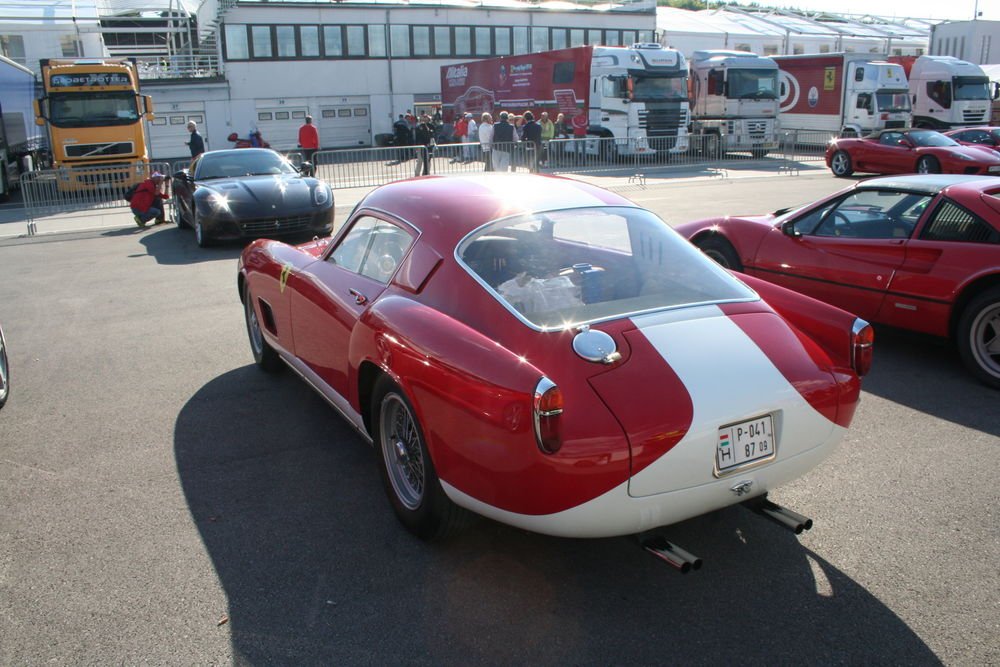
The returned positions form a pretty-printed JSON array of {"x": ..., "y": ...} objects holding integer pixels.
[
  {"x": 219, "y": 202},
  {"x": 321, "y": 194}
]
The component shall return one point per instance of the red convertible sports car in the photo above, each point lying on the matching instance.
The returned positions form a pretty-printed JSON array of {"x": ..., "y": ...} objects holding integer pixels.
[
  {"x": 977, "y": 136},
  {"x": 915, "y": 252},
  {"x": 546, "y": 353},
  {"x": 908, "y": 152}
]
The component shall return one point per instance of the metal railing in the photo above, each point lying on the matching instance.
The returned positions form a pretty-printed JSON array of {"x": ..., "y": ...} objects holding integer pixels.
[
  {"x": 175, "y": 66},
  {"x": 66, "y": 190}
]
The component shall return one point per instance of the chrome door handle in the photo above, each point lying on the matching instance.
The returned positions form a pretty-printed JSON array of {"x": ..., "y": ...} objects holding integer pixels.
[{"x": 359, "y": 298}]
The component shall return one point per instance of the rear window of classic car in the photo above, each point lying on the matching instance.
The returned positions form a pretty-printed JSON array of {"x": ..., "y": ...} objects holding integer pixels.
[{"x": 560, "y": 268}]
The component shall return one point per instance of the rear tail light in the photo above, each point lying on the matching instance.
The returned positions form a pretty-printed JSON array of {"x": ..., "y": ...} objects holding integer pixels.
[
  {"x": 548, "y": 408},
  {"x": 862, "y": 342}
]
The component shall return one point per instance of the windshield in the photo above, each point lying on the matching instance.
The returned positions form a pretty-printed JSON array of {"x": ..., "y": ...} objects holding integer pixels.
[
  {"x": 972, "y": 88},
  {"x": 562, "y": 268},
  {"x": 754, "y": 84},
  {"x": 242, "y": 162},
  {"x": 92, "y": 109},
  {"x": 931, "y": 138},
  {"x": 890, "y": 101},
  {"x": 653, "y": 89}
]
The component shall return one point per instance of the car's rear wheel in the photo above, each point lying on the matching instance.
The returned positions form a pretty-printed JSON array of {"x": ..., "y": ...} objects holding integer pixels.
[
  {"x": 841, "y": 165},
  {"x": 264, "y": 355},
  {"x": 721, "y": 250},
  {"x": 4, "y": 371},
  {"x": 978, "y": 336},
  {"x": 928, "y": 164},
  {"x": 407, "y": 470},
  {"x": 176, "y": 215}
]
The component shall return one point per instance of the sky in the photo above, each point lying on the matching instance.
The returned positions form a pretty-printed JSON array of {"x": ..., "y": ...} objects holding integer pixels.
[{"x": 953, "y": 10}]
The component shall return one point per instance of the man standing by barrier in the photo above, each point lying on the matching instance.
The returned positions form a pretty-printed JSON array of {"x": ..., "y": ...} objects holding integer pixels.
[
  {"x": 503, "y": 143},
  {"x": 197, "y": 143},
  {"x": 425, "y": 138},
  {"x": 548, "y": 134},
  {"x": 147, "y": 200},
  {"x": 532, "y": 140},
  {"x": 308, "y": 140}
]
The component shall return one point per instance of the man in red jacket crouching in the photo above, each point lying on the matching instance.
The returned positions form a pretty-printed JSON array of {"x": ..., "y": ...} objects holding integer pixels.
[{"x": 147, "y": 201}]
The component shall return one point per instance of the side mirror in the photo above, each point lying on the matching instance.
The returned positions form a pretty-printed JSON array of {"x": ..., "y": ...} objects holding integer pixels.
[
  {"x": 788, "y": 229},
  {"x": 307, "y": 169}
]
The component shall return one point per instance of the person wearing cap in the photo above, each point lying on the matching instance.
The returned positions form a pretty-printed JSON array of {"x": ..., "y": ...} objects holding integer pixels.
[
  {"x": 471, "y": 138},
  {"x": 147, "y": 200}
]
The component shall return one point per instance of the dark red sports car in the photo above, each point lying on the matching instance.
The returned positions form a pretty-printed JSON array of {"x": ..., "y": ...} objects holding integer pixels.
[
  {"x": 546, "y": 353},
  {"x": 977, "y": 136},
  {"x": 915, "y": 252},
  {"x": 908, "y": 152}
]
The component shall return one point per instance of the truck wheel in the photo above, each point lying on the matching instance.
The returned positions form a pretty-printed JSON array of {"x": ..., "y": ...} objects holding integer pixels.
[
  {"x": 720, "y": 250},
  {"x": 928, "y": 165},
  {"x": 978, "y": 337},
  {"x": 841, "y": 165}
]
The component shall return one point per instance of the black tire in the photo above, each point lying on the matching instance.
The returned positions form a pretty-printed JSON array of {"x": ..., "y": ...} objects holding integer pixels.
[
  {"x": 265, "y": 356},
  {"x": 841, "y": 165},
  {"x": 407, "y": 471},
  {"x": 4, "y": 371},
  {"x": 177, "y": 215},
  {"x": 928, "y": 164},
  {"x": 720, "y": 250},
  {"x": 200, "y": 236},
  {"x": 978, "y": 337}
]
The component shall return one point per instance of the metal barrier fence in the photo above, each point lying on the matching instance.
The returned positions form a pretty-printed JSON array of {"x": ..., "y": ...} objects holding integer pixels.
[{"x": 65, "y": 190}]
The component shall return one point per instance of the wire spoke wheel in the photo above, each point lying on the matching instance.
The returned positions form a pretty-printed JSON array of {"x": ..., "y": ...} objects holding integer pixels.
[{"x": 402, "y": 452}]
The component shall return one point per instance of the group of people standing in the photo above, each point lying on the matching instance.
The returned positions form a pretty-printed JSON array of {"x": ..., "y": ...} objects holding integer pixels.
[{"x": 500, "y": 139}]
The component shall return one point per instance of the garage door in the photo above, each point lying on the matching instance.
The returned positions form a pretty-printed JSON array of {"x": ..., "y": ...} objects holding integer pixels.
[
  {"x": 280, "y": 127},
  {"x": 168, "y": 135},
  {"x": 345, "y": 125}
]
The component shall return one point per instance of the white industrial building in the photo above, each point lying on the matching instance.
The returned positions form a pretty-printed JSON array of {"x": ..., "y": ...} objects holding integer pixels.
[{"x": 353, "y": 65}]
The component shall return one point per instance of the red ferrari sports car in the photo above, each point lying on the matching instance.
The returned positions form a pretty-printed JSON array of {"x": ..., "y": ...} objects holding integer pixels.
[
  {"x": 915, "y": 252},
  {"x": 988, "y": 137},
  {"x": 908, "y": 152},
  {"x": 548, "y": 354}
]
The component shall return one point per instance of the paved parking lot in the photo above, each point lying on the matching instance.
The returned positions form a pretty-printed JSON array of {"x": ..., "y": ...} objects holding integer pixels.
[{"x": 163, "y": 502}]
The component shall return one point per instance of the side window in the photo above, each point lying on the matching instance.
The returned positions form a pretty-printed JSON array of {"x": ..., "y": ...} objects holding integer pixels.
[
  {"x": 874, "y": 214},
  {"x": 374, "y": 248},
  {"x": 808, "y": 223},
  {"x": 890, "y": 138},
  {"x": 940, "y": 92},
  {"x": 865, "y": 102},
  {"x": 953, "y": 223}
]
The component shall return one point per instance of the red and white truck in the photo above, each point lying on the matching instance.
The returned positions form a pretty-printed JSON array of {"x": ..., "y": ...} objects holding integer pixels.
[
  {"x": 847, "y": 94},
  {"x": 637, "y": 94}
]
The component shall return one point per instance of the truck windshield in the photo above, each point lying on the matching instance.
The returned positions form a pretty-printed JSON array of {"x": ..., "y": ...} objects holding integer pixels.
[
  {"x": 890, "y": 101},
  {"x": 753, "y": 84},
  {"x": 92, "y": 109},
  {"x": 652, "y": 89},
  {"x": 972, "y": 88}
]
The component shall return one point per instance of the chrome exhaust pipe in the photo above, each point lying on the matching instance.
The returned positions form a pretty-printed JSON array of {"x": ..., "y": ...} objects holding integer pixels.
[
  {"x": 671, "y": 554},
  {"x": 782, "y": 516}
]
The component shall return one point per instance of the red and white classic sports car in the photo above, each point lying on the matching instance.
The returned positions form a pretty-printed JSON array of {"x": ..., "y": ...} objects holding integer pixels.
[{"x": 548, "y": 354}]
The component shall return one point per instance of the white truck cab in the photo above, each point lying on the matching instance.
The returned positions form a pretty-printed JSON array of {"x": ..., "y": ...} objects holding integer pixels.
[{"x": 948, "y": 92}]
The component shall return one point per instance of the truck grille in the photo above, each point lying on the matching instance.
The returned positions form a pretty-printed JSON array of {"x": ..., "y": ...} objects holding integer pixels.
[
  {"x": 100, "y": 150},
  {"x": 970, "y": 116},
  {"x": 757, "y": 128},
  {"x": 892, "y": 124},
  {"x": 298, "y": 223},
  {"x": 661, "y": 122}
]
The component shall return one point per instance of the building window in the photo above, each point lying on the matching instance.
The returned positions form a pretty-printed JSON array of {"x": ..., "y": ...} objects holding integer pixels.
[
  {"x": 539, "y": 40},
  {"x": 71, "y": 47},
  {"x": 611, "y": 37},
  {"x": 463, "y": 41},
  {"x": 12, "y": 46},
  {"x": 355, "y": 40},
  {"x": 442, "y": 41},
  {"x": 646, "y": 36},
  {"x": 285, "y": 37},
  {"x": 520, "y": 40},
  {"x": 594, "y": 37},
  {"x": 770, "y": 50},
  {"x": 501, "y": 37},
  {"x": 236, "y": 42},
  {"x": 261, "y": 40},
  {"x": 628, "y": 37},
  {"x": 824, "y": 48},
  {"x": 309, "y": 38},
  {"x": 559, "y": 39},
  {"x": 376, "y": 41},
  {"x": 421, "y": 40},
  {"x": 483, "y": 42},
  {"x": 743, "y": 47},
  {"x": 299, "y": 114},
  {"x": 399, "y": 40},
  {"x": 798, "y": 49},
  {"x": 333, "y": 41}
]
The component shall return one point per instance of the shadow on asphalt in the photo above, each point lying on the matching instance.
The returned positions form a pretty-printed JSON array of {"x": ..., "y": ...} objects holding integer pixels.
[
  {"x": 170, "y": 245},
  {"x": 928, "y": 376},
  {"x": 317, "y": 570}
]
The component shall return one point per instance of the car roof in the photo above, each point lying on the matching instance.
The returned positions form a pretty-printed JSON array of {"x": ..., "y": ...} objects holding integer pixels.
[
  {"x": 449, "y": 207},
  {"x": 930, "y": 183}
]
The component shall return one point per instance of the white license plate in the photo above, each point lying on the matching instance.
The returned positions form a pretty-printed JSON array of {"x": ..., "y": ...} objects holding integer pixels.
[{"x": 744, "y": 442}]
